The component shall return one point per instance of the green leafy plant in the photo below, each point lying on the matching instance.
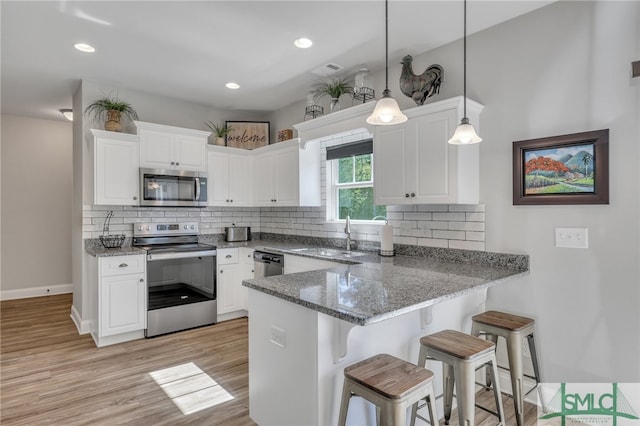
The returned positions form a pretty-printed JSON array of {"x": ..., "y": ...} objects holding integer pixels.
[
  {"x": 219, "y": 130},
  {"x": 333, "y": 88},
  {"x": 101, "y": 107}
]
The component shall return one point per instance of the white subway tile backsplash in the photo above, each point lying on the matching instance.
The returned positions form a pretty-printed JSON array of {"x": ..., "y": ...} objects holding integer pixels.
[
  {"x": 466, "y": 207},
  {"x": 460, "y": 217},
  {"x": 475, "y": 217},
  {"x": 431, "y": 242},
  {"x": 466, "y": 226},
  {"x": 467, "y": 245},
  {"x": 449, "y": 235},
  {"x": 475, "y": 236}
]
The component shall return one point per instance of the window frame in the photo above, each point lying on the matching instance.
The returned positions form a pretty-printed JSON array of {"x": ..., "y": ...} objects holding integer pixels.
[{"x": 333, "y": 186}]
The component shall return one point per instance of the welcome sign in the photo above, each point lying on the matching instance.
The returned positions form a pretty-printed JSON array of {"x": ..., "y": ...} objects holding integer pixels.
[{"x": 248, "y": 134}]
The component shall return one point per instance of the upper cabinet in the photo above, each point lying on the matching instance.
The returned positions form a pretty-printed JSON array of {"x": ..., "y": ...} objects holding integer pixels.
[
  {"x": 230, "y": 177},
  {"x": 414, "y": 164},
  {"x": 285, "y": 174},
  {"x": 115, "y": 160},
  {"x": 168, "y": 147}
]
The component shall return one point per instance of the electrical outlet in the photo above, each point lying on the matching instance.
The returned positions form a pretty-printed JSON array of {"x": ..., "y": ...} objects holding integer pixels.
[
  {"x": 278, "y": 336},
  {"x": 572, "y": 237}
]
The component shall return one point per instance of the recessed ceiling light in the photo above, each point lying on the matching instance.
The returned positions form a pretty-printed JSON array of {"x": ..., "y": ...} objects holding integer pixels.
[
  {"x": 84, "y": 47},
  {"x": 303, "y": 43},
  {"x": 232, "y": 85}
]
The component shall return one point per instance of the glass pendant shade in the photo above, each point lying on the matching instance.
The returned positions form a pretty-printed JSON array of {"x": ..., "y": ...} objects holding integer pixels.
[
  {"x": 465, "y": 134},
  {"x": 386, "y": 112}
]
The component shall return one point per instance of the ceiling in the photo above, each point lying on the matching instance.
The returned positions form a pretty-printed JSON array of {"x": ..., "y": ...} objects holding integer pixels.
[{"x": 189, "y": 49}]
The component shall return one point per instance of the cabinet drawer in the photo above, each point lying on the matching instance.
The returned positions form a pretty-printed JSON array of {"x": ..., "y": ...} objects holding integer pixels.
[
  {"x": 227, "y": 256},
  {"x": 120, "y": 265},
  {"x": 246, "y": 256}
]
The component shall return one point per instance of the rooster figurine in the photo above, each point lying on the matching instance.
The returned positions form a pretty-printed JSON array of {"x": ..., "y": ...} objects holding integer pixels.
[{"x": 420, "y": 87}]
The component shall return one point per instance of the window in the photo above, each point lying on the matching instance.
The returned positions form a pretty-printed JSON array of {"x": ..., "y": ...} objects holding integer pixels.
[{"x": 351, "y": 189}]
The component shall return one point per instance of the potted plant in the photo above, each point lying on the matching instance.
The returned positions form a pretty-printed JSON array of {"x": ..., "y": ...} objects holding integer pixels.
[
  {"x": 333, "y": 88},
  {"x": 111, "y": 108},
  {"x": 220, "y": 131}
]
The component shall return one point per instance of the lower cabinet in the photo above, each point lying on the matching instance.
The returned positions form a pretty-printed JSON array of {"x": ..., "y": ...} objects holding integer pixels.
[
  {"x": 121, "y": 299},
  {"x": 234, "y": 266}
]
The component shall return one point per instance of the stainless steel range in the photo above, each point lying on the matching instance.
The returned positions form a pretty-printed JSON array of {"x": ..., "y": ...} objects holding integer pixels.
[{"x": 181, "y": 277}]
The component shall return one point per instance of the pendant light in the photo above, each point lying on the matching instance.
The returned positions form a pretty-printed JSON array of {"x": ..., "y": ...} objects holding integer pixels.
[
  {"x": 387, "y": 111},
  {"x": 465, "y": 134}
]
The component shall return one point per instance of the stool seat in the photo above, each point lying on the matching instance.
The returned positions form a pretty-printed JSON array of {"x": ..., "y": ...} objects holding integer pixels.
[
  {"x": 388, "y": 375},
  {"x": 392, "y": 385},
  {"x": 503, "y": 320},
  {"x": 457, "y": 344}
]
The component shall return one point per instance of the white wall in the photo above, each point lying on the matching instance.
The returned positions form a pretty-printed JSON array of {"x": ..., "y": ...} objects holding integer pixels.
[{"x": 36, "y": 203}]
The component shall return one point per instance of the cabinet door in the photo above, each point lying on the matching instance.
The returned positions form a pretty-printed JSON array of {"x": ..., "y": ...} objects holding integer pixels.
[
  {"x": 240, "y": 180},
  {"x": 246, "y": 273},
  {"x": 435, "y": 158},
  {"x": 263, "y": 186},
  {"x": 218, "y": 182},
  {"x": 116, "y": 172},
  {"x": 286, "y": 177},
  {"x": 122, "y": 304},
  {"x": 228, "y": 279},
  {"x": 156, "y": 149},
  {"x": 190, "y": 153},
  {"x": 390, "y": 153}
]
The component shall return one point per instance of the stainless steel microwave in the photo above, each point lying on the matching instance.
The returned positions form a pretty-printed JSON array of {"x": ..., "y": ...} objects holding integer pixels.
[{"x": 172, "y": 188}]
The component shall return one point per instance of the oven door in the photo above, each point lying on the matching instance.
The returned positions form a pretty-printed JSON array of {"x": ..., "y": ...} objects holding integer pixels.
[
  {"x": 181, "y": 278},
  {"x": 174, "y": 188}
]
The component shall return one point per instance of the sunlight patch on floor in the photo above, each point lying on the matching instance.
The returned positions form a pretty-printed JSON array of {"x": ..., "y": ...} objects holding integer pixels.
[{"x": 190, "y": 388}]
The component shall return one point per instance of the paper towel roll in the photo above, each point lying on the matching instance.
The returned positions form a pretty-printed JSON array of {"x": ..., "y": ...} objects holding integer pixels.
[{"x": 386, "y": 240}]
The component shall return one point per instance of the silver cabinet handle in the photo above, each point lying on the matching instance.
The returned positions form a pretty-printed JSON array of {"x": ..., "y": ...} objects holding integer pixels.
[
  {"x": 141, "y": 280},
  {"x": 228, "y": 256},
  {"x": 413, "y": 194},
  {"x": 406, "y": 195},
  {"x": 221, "y": 271},
  {"x": 135, "y": 198},
  {"x": 177, "y": 164},
  {"x": 122, "y": 265},
  {"x": 172, "y": 163}
]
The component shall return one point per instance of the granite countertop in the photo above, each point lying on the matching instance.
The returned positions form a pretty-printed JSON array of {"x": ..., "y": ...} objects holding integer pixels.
[
  {"x": 99, "y": 251},
  {"x": 374, "y": 288}
]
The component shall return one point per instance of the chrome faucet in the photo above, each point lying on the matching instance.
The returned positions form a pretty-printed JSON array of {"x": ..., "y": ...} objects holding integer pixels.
[{"x": 347, "y": 231}]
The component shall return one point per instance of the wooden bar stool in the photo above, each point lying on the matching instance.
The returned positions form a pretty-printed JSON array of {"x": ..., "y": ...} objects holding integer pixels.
[
  {"x": 391, "y": 384},
  {"x": 513, "y": 328},
  {"x": 461, "y": 355}
]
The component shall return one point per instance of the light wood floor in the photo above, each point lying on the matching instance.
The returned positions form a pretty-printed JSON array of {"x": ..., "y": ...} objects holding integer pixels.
[{"x": 51, "y": 375}]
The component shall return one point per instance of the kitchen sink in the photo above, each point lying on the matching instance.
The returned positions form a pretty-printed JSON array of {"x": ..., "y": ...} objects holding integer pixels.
[{"x": 329, "y": 252}]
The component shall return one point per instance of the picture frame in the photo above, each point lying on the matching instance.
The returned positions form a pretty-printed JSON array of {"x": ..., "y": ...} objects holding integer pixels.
[
  {"x": 248, "y": 134},
  {"x": 562, "y": 170}
]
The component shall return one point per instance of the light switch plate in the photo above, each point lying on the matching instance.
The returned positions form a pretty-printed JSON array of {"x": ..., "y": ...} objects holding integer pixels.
[
  {"x": 572, "y": 237},
  {"x": 278, "y": 336}
]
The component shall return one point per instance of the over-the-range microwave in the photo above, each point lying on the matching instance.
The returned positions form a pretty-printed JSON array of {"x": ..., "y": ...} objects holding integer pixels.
[{"x": 172, "y": 188}]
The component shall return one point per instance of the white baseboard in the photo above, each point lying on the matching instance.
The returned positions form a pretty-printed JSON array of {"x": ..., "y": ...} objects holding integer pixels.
[
  {"x": 83, "y": 327},
  {"x": 24, "y": 293},
  {"x": 232, "y": 315}
]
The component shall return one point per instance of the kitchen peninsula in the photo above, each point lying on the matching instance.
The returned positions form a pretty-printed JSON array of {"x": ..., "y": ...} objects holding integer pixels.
[{"x": 305, "y": 327}]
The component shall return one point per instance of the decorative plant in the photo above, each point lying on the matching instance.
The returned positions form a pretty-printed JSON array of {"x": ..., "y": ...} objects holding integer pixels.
[
  {"x": 219, "y": 130},
  {"x": 100, "y": 108},
  {"x": 333, "y": 88}
]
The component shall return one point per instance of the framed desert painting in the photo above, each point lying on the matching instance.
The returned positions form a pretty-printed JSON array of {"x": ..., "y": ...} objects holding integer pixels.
[
  {"x": 567, "y": 169},
  {"x": 248, "y": 134}
]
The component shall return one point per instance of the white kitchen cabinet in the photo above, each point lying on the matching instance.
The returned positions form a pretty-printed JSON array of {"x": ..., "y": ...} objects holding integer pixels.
[
  {"x": 233, "y": 268},
  {"x": 115, "y": 162},
  {"x": 287, "y": 175},
  {"x": 293, "y": 264},
  {"x": 230, "y": 177},
  {"x": 414, "y": 164},
  {"x": 121, "y": 299},
  {"x": 168, "y": 147}
]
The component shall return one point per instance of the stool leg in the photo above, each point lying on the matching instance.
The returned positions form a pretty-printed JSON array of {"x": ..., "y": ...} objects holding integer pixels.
[
  {"x": 394, "y": 415},
  {"x": 422, "y": 359},
  {"x": 493, "y": 370},
  {"x": 493, "y": 338},
  {"x": 514, "y": 351},
  {"x": 534, "y": 357},
  {"x": 379, "y": 416},
  {"x": 344, "y": 403},
  {"x": 431, "y": 404},
  {"x": 448, "y": 378},
  {"x": 465, "y": 393}
]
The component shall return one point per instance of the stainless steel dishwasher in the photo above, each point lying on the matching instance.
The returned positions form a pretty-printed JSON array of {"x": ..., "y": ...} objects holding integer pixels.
[{"x": 267, "y": 264}]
